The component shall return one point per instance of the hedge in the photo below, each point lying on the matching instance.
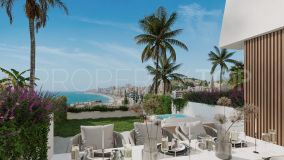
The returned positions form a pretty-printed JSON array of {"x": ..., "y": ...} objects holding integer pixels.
[
  {"x": 162, "y": 104},
  {"x": 211, "y": 98},
  {"x": 179, "y": 103},
  {"x": 101, "y": 108},
  {"x": 59, "y": 109},
  {"x": 24, "y": 124}
]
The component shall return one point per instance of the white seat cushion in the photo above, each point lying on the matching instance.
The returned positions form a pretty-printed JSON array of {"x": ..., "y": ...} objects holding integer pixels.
[
  {"x": 127, "y": 138},
  {"x": 141, "y": 132},
  {"x": 194, "y": 129},
  {"x": 92, "y": 136},
  {"x": 277, "y": 158}
]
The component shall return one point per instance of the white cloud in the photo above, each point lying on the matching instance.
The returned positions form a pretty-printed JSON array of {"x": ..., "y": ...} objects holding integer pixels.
[
  {"x": 20, "y": 53},
  {"x": 202, "y": 24},
  {"x": 44, "y": 53},
  {"x": 76, "y": 55},
  {"x": 196, "y": 11},
  {"x": 120, "y": 25},
  {"x": 117, "y": 49}
]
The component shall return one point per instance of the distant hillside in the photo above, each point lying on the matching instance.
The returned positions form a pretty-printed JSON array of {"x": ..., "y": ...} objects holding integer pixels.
[{"x": 192, "y": 82}]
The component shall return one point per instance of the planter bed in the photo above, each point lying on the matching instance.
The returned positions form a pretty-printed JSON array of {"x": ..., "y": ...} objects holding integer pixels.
[{"x": 99, "y": 114}]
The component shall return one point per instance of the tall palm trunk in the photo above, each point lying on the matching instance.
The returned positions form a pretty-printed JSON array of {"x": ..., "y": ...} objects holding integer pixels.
[
  {"x": 221, "y": 79},
  {"x": 156, "y": 79},
  {"x": 157, "y": 66},
  {"x": 165, "y": 86},
  {"x": 33, "y": 52}
]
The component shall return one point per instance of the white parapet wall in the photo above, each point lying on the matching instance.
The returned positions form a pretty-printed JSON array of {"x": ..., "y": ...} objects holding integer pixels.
[
  {"x": 97, "y": 115},
  {"x": 206, "y": 113}
]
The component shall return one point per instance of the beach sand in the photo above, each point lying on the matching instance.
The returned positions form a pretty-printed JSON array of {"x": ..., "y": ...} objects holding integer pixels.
[{"x": 113, "y": 100}]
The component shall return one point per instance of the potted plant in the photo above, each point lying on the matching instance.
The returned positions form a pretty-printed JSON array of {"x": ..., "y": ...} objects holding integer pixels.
[{"x": 223, "y": 143}]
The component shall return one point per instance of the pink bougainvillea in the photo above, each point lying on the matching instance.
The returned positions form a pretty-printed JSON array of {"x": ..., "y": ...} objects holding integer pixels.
[{"x": 23, "y": 104}]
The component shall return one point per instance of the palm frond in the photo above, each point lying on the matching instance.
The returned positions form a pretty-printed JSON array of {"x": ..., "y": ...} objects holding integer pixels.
[
  {"x": 59, "y": 4},
  {"x": 232, "y": 61},
  {"x": 145, "y": 38},
  {"x": 224, "y": 68},
  {"x": 149, "y": 24},
  {"x": 228, "y": 55},
  {"x": 15, "y": 72},
  {"x": 224, "y": 52},
  {"x": 177, "y": 43},
  {"x": 151, "y": 70},
  {"x": 161, "y": 13},
  {"x": 217, "y": 50},
  {"x": 213, "y": 68},
  {"x": 213, "y": 55},
  {"x": 172, "y": 51},
  {"x": 173, "y": 67},
  {"x": 23, "y": 72},
  {"x": 4, "y": 80},
  {"x": 8, "y": 5},
  {"x": 147, "y": 53},
  {"x": 172, "y": 33},
  {"x": 172, "y": 19},
  {"x": 8, "y": 73}
]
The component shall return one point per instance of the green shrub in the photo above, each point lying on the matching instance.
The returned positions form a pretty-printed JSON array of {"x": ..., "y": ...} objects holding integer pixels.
[
  {"x": 35, "y": 138},
  {"x": 157, "y": 104},
  {"x": 166, "y": 104},
  {"x": 59, "y": 109},
  {"x": 125, "y": 100},
  {"x": 224, "y": 101},
  {"x": 123, "y": 108},
  {"x": 179, "y": 103},
  {"x": 24, "y": 124},
  {"x": 100, "y": 108},
  {"x": 211, "y": 98}
]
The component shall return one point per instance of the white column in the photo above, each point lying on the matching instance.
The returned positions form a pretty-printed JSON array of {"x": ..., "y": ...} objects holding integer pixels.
[{"x": 50, "y": 143}]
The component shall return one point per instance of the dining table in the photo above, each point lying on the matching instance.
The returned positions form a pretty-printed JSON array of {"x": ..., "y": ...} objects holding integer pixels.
[{"x": 264, "y": 149}]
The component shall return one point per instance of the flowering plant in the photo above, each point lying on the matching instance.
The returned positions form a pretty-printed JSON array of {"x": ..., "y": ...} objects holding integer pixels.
[
  {"x": 24, "y": 123},
  {"x": 21, "y": 104},
  {"x": 224, "y": 101},
  {"x": 223, "y": 132}
]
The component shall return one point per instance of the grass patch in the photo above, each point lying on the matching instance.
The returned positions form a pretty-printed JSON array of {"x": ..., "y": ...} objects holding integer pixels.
[
  {"x": 70, "y": 128},
  {"x": 101, "y": 108}
]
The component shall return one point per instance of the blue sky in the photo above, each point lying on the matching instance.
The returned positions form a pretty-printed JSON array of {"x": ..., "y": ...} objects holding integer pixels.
[{"x": 94, "y": 45}]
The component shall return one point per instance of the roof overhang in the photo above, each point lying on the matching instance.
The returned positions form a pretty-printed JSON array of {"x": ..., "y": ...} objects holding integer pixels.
[{"x": 246, "y": 19}]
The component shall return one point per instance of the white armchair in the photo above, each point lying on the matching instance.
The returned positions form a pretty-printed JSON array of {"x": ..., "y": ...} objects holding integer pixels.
[
  {"x": 92, "y": 136},
  {"x": 208, "y": 130}
]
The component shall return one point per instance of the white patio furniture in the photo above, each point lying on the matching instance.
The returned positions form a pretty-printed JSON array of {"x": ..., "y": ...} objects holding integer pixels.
[
  {"x": 197, "y": 129},
  {"x": 265, "y": 150},
  {"x": 92, "y": 136}
]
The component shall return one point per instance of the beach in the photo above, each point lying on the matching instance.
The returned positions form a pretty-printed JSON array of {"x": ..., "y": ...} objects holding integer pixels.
[{"x": 113, "y": 100}]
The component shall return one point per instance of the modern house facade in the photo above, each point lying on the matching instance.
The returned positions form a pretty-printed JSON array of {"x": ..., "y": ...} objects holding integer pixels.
[{"x": 257, "y": 27}]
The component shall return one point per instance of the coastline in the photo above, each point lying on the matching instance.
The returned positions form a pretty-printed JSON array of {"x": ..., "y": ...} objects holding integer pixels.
[
  {"x": 109, "y": 97},
  {"x": 113, "y": 100}
]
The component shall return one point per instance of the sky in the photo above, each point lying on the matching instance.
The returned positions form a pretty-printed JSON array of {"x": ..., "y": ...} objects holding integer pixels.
[{"x": 93, "y": 46}]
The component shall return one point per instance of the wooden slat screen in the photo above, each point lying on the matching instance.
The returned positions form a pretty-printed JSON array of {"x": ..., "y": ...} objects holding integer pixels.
[{"x": 264, "y": 84}]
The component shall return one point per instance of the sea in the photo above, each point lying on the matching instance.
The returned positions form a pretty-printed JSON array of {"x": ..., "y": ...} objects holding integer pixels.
[{"x": 79, "y": 97}]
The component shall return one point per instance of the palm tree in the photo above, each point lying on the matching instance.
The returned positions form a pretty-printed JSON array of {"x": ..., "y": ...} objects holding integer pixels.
[
  {"x": 237, "y": 75},
  {"x": 165, "y": 74},
  {"x": 212, "y": 83},
  {"x": 221, "y": 58},
  {"x": 159, "y": 37},
  {"x": 14, "y": 78},
  {"x": 37, "y": 12}
]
